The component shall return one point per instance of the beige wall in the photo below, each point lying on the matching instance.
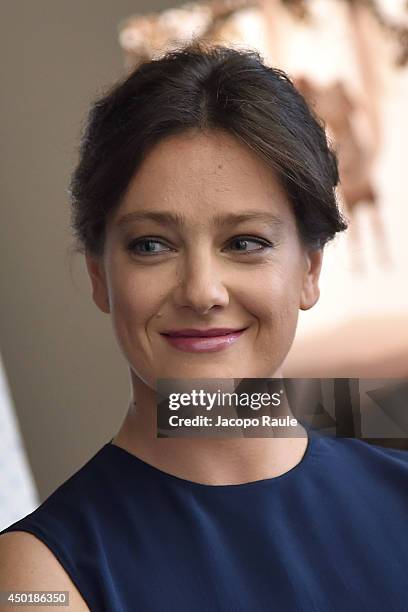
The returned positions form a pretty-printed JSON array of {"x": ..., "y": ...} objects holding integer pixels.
[{"x": 68, "y": 381}]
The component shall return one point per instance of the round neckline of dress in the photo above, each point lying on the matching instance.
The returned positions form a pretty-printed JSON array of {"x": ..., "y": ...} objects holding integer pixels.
[{"x": 310, "y": 448}]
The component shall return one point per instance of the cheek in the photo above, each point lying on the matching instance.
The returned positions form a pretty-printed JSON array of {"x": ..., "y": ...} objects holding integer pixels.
[
  {"x": 273, "y": 299},
  {"x": 134, "y": 301},
  {"x": 135, "y": 293},
  {"x": 272, "y": 296}
]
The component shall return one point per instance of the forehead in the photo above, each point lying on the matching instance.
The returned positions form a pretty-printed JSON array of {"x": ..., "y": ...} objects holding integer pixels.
[{"x": 199, "y": 175}]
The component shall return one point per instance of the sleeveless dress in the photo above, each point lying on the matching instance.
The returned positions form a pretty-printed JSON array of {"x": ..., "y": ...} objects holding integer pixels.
[{"x": 329, "y": 535}]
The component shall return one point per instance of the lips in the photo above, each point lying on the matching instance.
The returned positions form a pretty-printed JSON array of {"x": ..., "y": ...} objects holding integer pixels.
[
  {"x": 208, "y": 341},
  {"x": 202, "y": 333}
]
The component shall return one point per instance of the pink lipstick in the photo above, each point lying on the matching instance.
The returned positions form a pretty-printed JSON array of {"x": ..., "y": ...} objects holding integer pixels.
[{"x": 202, "y": 340}]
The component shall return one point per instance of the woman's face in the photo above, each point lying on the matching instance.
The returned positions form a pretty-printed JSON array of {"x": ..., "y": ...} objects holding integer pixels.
[{"x": 231, "y": 258}]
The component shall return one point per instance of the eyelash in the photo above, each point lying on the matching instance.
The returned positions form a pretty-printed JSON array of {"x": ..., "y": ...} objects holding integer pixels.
[{"x": 265, "y": 245}]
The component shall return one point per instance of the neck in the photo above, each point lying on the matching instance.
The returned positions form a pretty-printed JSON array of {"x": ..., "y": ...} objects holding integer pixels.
[{"x": 213, "y": 461}]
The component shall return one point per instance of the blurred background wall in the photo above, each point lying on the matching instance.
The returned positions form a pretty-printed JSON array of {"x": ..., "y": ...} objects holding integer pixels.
[{"x": 68, "y": 384}]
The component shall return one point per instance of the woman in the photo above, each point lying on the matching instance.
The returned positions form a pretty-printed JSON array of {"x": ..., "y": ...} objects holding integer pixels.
[{"x": 203, "y": 199}]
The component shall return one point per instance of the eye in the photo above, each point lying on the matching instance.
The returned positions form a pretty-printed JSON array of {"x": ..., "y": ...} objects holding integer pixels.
[
  {"x": 135, "y": 246},
  {"x": 244, "y": 241},
  {"x": 151, "y": 246}
]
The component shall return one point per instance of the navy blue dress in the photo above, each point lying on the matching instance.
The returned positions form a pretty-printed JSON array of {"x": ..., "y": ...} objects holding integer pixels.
[{"x": 330, "y": 535}]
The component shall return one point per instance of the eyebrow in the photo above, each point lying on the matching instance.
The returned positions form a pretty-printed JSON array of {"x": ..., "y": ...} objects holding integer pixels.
[{"x": 177, "y": 220}]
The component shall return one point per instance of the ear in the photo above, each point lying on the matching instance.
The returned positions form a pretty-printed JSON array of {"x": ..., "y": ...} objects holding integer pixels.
[
  {"x": 96, "y": 271},
  {"x": 310, "y": 287}
]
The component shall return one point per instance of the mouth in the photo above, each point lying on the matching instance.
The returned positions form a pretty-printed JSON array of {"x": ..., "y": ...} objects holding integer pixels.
[
  {"x": 199, "y": 333},
  {"x": 198, "y": 341}
]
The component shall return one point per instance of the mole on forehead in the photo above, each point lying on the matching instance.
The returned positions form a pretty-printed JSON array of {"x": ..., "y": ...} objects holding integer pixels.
[{"x": 178, "y": 220}]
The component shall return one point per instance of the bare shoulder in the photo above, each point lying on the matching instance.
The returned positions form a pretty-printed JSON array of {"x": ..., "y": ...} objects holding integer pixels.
[{"x": 27, "y": 564}]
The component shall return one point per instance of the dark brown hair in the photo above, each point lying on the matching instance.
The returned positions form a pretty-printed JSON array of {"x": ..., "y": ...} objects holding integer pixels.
[{"x": 206, "y": 87}]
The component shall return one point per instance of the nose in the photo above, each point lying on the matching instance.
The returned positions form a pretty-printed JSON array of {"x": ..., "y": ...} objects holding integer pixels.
[{"x": 199, "y": 284}]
